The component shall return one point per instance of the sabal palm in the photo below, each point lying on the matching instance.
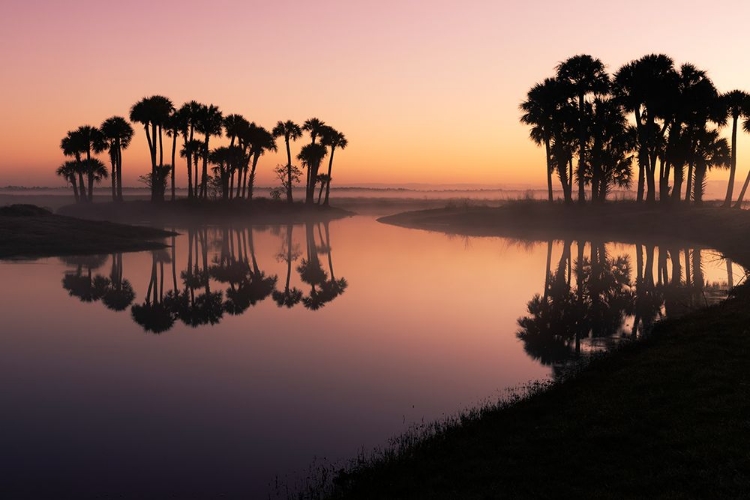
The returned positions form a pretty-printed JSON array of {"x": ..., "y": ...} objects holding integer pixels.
[
  {"x": 189, "y": 113},
  {"x": 582, "y": 75},
  {"x": 540, "y": 112},
  {"x": 291, "y": 132},
  {"x": 311, "y": 155},
  {"x": 647, "y": 87},
  {"x": 210, "y": 123},
  {"x": 73, "y": 144},
  {"x": 710, "y": 151},
  {"x": 737, "y": 104},
  {"x": 118, "y": 133},
  {"x": 153, "y": 112},
  {"x": 69, "y": 172},
  {"x": 740, "y": 199},
  {"x": 93, "y": 141},
  {"x": 234, "y": 126},
  {"x": 334, "y": 139},
  {"x": 174, "y": 125},
  {"x": 260, "y": 141}
]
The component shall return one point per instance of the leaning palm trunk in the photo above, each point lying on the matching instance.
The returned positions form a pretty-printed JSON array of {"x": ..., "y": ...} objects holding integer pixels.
[
  {"x": 330, "y": 167},
  {"x": 738, "y": 204},
  {"x": 732, "y": 165}
]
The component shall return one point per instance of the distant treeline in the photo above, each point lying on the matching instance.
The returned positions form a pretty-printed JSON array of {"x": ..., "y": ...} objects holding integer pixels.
[
  {"x": 233, "y": 166},
  {"x": 665, "y": 120}
]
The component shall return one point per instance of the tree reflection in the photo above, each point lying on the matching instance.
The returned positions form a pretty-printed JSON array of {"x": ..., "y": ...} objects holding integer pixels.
[
  {"x": 155, "y": 314},
  {"x": 596, "y": 307},
  {"x": 289, "y": 253},
  {"x": 80, "y": 283}
]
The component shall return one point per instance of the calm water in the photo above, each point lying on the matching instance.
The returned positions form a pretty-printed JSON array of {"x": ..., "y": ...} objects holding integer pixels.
[{"x": 240, "y": 355}]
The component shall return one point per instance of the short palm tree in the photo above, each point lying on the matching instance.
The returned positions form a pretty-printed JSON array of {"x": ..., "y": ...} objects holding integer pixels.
[
  {"x": 69, "y": 172},
  {"x": 291, "y": 132},
  {"x": 334, "y": 139},
  {"x": 260, "y": 141},
  {"x": 737, "y": 104},
  {"x": 73, "y": 144},
  {"x": 118, "y": 134}
]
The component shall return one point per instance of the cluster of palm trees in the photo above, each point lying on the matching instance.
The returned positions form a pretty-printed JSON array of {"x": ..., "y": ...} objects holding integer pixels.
[
  {"x": 233, "y": 166},
  {"x": 662, "y": 118}
]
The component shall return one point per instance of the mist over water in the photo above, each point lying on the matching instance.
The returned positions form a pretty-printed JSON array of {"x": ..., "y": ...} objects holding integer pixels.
[{"x": 242, "y": 354}]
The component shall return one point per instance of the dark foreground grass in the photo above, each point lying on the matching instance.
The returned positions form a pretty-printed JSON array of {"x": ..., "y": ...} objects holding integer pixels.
[
  {"x": 667, "y": 416},
  {"x": 27, "y": 231}
]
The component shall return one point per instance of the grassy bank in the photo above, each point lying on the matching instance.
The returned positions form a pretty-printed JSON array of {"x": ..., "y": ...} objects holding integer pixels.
[
  {"x": 668, "y": 416},
  {"x": 185, "y": 212},
  {"x": 27, "y": 231}
]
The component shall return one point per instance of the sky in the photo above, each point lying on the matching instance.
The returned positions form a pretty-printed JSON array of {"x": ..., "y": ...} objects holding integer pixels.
[{"x": 425, "y": 91}]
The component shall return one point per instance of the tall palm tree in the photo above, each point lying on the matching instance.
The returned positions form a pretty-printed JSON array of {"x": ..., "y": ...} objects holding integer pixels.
[
  {"x": 583, "y": 75},
  {"x": 73, "y": 144},
  {"x": 737, "y": 104},
  {"x": 189, "y": 114},
  {"x": 93, "y": 141},
  {"x": 210, "y": 122},
  {"x": 118, "y": 133},
  {"x": 153, "y": 112},
  {"x": 174, "y": 125},
  {"x": 234, "y": 126},
  {"x": 334, "y": 139},
  {"x": 647, "y": 88},
  {"x": 314, "y": 127},
  {"x": 291, "y": 132},
  {"x": 260, "y": 141},
  {"x": 539, "y": 111},
  {"x": 69, "y": 171},
  {"x": 311, "y": 155}
]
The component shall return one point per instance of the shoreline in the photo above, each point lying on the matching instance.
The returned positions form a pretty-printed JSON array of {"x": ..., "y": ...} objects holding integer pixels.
[{"x": 664, "y": 416}]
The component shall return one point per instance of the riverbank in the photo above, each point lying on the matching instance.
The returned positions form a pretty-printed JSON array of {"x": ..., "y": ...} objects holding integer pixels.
[
  {"x": 27, "y": 231},
  {"x": 663, "y": 417}
]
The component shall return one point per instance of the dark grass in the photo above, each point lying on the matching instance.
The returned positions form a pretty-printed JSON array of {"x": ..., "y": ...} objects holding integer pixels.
[
  {"x": 27, "y": 231},
  {"x": 187, "y": 212},
  {"x": 664, "y": 417}
]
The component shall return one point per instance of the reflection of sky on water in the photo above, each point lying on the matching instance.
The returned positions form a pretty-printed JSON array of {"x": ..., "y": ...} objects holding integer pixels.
[{"x": 425, "y": 327}]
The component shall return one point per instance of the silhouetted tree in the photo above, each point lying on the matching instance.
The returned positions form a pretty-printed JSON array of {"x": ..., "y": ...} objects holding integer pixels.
[
  {"x": 118, "y": 134},
  {"x": 209, "y": 123},
  {"x": 291, "y": 132},
  {"x": 333, "y": 139},
  {"x": 69, "y": 172},
  {"x": 736, "y": 104},
  {"x": 153, "y": 113},
  {"x": 311, "y": 155}
]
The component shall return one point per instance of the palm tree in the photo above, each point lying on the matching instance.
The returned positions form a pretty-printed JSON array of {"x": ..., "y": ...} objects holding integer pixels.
[
  {"x": 234, "y": 126},
  {"x": 153, "y": 113},
  {"x": 189, "y": 113},
  {"x": 96, "y": 171},
  {"x": 68, "y": 171},
  {"x": 710, "y": 151},
  {"x": 737, "y": 104},
  {"x": 73, "y": 144},
  {"x": 609, "y": 153},
  {"x": 539, "y": 110},
  {"x": 334, "y": 139},
  {"x": 174, "y": 125},
  {"x": 210, "y": 122},
  {"x": 118, "y": 132},
  {"x": 290, "y": 296},
  {"x": 91, "y": 139},
  {"x": 582, "y": 75},
  {"x": 290, "y": 131},
  {"x": 260, "y": 140},
  {"x": 647, "y": 88},
  {"x": 311, "y": 155}
]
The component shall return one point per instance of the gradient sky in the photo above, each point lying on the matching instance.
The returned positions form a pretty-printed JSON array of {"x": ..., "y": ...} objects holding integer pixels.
[{"x": 425, "y": 91}]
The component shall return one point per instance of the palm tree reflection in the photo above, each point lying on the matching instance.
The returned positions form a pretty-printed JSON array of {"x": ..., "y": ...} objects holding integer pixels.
[{"x": 598, "y": 307}]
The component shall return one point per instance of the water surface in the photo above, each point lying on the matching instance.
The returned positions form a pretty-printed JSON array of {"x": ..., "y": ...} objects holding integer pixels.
[{"x": 231, "y": 361}]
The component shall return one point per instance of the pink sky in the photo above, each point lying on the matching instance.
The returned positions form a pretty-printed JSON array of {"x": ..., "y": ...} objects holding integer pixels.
[{"x": 425, "y": 91}]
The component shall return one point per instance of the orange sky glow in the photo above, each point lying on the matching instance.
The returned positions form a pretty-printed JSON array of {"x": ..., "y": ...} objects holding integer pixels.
[{"x": 424, "y": 91}]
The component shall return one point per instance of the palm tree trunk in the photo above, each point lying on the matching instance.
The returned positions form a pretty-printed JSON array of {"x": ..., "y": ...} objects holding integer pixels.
[
  {"x": 732, "y": 165},
  {"x": 251, "y": 178},
  {"x": 119, "y": 173},
  {"x": 738, "y": 204},
  {"x": 289, "y": 172},
  {"x": 204, "y": 176},
  {"x": 549, "y": 171},
  {"x": 330, "y": 167},
  {"x": 174, "y": 165},
  {"x": 689, "y": 189}
]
